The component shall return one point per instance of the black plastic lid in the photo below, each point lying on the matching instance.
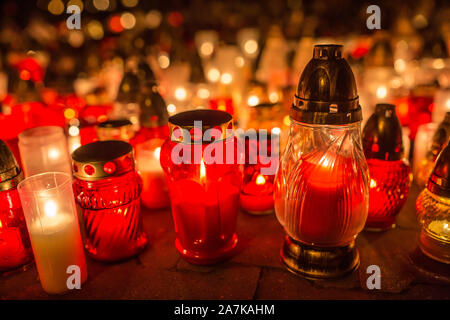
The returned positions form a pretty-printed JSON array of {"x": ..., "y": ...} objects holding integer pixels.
[
  {"x": 129, "y": 87},
  {"x": 382, "y": 134},
  {"x": 326, "y": 93},
  {"x": 153, "y": 108},
  {"x": 380, "y": 54},
  {"x": 209, "y": 118},
  {"x": 99, "y": 151},
  {"x": 115, "y": 123},
  {"x": 10, "y": 172},
  {"x": 439, "y": 181}
]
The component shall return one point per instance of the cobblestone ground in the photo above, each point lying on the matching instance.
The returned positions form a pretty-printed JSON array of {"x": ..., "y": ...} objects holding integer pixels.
[{"x": 255, "y": 272}]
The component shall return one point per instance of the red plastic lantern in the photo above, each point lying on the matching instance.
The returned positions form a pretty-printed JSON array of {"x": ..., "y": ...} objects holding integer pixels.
[
  {"x": 107, "y": 190},
  {"x": 15, "y": 248},
  {"x": 204, "y": 194},
  {"x": 390, "y": 174},
  {"x": 257, "y": 192}
]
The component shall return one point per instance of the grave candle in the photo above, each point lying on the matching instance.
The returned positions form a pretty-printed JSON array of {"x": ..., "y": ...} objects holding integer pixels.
[{"x": 52, "y": 222}]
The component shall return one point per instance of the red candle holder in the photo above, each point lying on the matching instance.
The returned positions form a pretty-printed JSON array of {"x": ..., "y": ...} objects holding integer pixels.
[
  {"x": 204, "y": 195},
  {"x": 89, "y": 117},
  {"x": 257, "y": 192},
  {"x": 390, "y": 174},
  {"x": 107, "y": 190},
  {"x": 15, "y": 247}
]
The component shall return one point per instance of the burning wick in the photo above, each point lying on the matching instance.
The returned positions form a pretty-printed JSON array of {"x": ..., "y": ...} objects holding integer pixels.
[{"x": 260, "y": 180}]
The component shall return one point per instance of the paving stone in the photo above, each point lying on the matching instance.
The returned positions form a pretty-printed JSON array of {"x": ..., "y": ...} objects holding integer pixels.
[
  {"x": 260, "y": 240},
  {"x": 279, "y": 284},
  {"x": 255, "y": 270},
  {"x": 161, "y": 251}
]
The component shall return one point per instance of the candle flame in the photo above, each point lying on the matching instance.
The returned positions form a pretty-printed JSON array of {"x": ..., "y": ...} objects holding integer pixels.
[
  {"x": 53, "y": 154},
  {"x": 157, "y": 152},
  {"x": 252, "y": 101},
  {"x": 50, "y": 208},
  {"x": 260, "y": 180},
  {"x": 381, "y": 92},
  {"x": 202, "y": 170},
  {"x": 373, "y": 183}
]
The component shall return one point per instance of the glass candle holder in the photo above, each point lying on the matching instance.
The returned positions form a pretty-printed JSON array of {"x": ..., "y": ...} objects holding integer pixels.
[
  {"x": 420, "y": 104},
  {"x": 115, "y": 130},
  {"x": 433, "y": 211},
  {"x": 108, "y": 190},
  {"x": 155, "y": 194},
  {"x": 390, "y": 174},
  {"x": 439, "y": 140},
  {"x": 52, "y": 222},
  {"x": 441, "y": 104},
  {"x": 15, "y": 247},
  {"x": 204, "y": 193},
  {"x": 422, "y": 144},
  {"x": 44, "y": 149},
  {"x": 321, "y": 188},
  {"x": 257, "y": 191}
]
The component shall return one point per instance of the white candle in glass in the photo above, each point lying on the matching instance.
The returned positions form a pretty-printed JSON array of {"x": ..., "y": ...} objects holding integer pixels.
[
  {"x": 155, "y": 194},
  {"x": 44, "y": 149},
  {"x": 51, "y": 217}
]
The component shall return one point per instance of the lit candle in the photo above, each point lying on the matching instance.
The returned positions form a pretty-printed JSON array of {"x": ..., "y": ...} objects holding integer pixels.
[
  {"x": 433, "y": 211},
  {"x": 52, "y": 222},
  {"x": 44, "y": 149},
  {"x": 322, "y": 219},
  {"x": 155, "y": 194},
  {"x": 257, "y": 196},
  {"x": 204, "y": 196}
]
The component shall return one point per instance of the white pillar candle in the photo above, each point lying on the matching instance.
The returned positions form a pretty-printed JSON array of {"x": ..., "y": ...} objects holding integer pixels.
[
  {"x": 51, "y": 217},
  {"x": 44, "y": 149}
]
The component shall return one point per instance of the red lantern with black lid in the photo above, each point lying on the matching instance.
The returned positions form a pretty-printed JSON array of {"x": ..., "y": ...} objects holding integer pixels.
[
  {"x": 390, "y": 174},
  {"x": 107, "y": 190},
  {"x": 15, "y": 247}
]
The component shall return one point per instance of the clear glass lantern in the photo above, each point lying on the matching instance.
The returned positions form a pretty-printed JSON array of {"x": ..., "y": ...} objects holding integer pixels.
[
  {"x": 433, "y": 211},
  {"x": 321, "y": 188}
]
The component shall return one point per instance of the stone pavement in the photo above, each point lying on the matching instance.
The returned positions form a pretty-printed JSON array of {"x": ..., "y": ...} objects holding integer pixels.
[{"x": 255, "y": 272}]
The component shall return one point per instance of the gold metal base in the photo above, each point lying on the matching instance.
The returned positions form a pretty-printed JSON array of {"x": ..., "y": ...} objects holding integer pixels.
[
  {"x": 317, "y": 262},
  {"x": 435, "y": 248}
]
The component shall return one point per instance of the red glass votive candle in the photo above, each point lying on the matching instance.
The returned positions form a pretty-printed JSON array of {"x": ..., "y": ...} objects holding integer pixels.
[
  {"x": 15, "y": 247},
  {"x": 204, "y": 193},
  {"x": 107, "y": 190},
  {"x": 155, "y": 194},
  {"x": 257, "y": 192},
  {"x": 390, "y": 174}
]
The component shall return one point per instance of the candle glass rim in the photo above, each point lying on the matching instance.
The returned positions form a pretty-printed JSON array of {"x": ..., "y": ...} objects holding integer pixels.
[
  {"x": 328, "y": 126},
  {"x": 26, "y": 137},
  {"x": 21, "y": 186}
]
